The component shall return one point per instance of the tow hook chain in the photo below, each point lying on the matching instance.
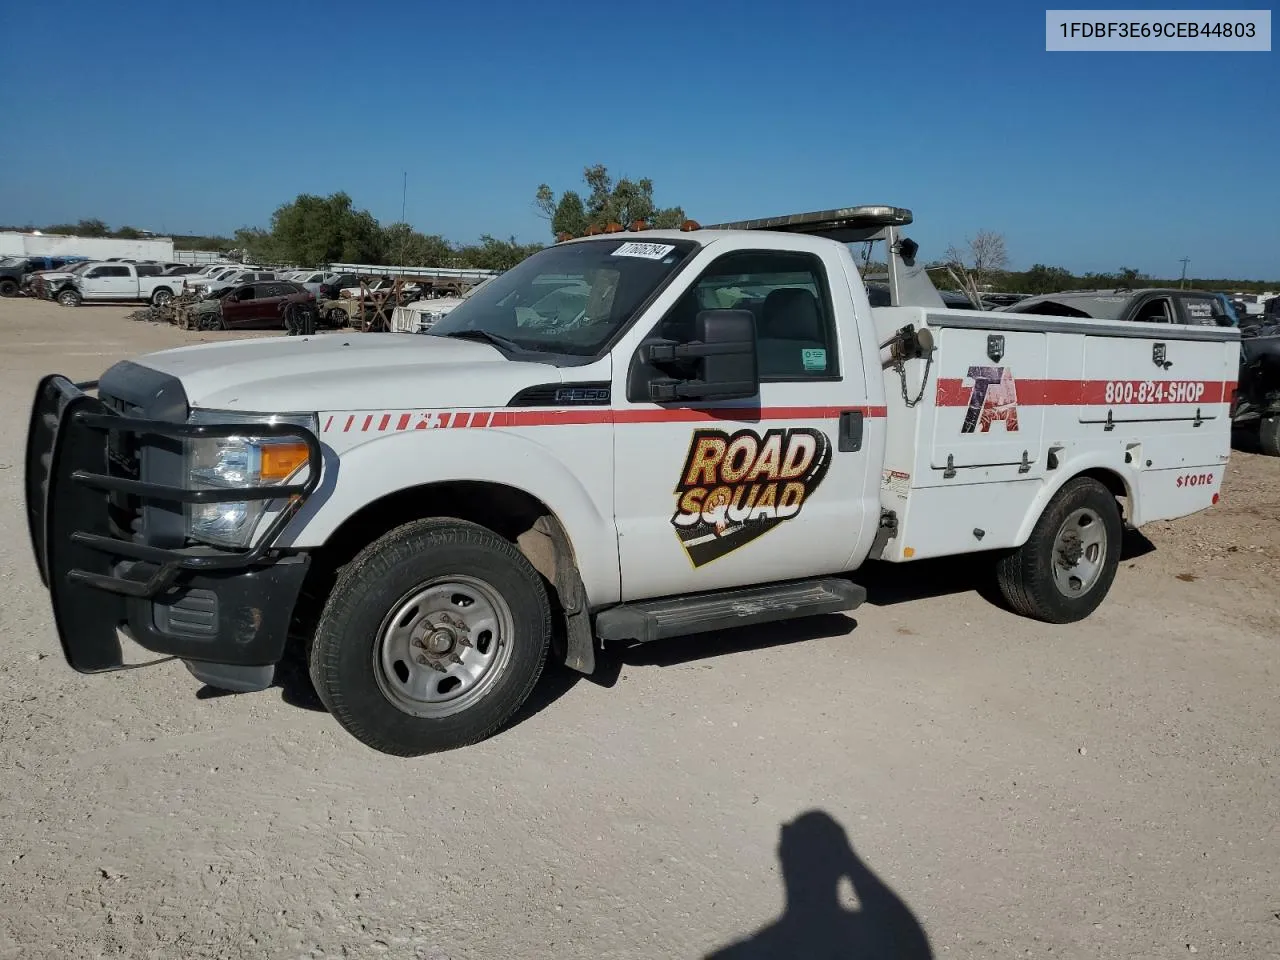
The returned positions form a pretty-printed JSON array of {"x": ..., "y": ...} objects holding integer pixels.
[
  {"x": 907, "y": 344},
  {"x": 901, "y": 368}
]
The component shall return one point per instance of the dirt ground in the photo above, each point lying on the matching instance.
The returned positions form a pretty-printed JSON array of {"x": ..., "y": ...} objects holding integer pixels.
[{"x": 935, "y": 768}]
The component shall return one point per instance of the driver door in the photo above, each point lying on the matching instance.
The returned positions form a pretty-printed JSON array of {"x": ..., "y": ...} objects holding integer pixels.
[
  {"x": 237, "y": 306},
  {"x": 718, "y": 494}
]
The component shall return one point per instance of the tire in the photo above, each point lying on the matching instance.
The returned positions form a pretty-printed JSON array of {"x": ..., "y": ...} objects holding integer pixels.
[
  {"x": 370, "y": 682},
  {"x": 8, "y": 288},
  {"x": 337, "y": 318},
  {"x": 1269, "y": 435},
  {"x": 1034, "y": 581},
  {"x": 161, "y": 296},
  {"x": 69, "y": 298}
]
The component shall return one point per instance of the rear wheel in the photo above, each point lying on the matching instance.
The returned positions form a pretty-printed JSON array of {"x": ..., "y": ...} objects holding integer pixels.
[
  {"x": 8, "y": 287},
  {"x": 1269, "y": 436},
  {"x": 69, "y": 298},
  {"x": 162, "y": 297},
  {"x": 1064, "y": 570},
  {"x": 432, "y": 637}
]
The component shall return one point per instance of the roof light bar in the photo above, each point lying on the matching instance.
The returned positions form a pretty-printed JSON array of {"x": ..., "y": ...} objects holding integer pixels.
[{"x": 822, "y": 221}]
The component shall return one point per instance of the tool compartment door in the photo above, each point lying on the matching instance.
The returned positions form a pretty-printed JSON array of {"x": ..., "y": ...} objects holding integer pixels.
[
  {"x": 988, "y": 408},
  {"x": 1155, "y": 377}
]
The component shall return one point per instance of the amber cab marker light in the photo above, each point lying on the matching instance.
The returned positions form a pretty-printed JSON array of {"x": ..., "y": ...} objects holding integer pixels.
[
  {"x": 613, "y": 228},
  {"x": 690, "y": 225},
  {"x": 563, "y": 235},
  {"x": 640, "y": 224},
  {"x": 593, "y": 231}
]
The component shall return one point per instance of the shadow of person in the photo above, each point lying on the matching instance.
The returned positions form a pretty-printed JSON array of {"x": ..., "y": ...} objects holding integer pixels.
[{"x": 816, "y": 857}]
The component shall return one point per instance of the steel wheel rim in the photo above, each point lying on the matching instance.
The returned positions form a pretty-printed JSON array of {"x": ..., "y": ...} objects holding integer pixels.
[
  {"x": 1079, "y": 552},
  {"x": 163, "y": 298},
  {"x": 443, "y": 647},
  {"x": 66, "y": 299}
]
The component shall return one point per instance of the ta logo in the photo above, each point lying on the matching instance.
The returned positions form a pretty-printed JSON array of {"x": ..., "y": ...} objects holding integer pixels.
[{"x": 994, "y": 397}]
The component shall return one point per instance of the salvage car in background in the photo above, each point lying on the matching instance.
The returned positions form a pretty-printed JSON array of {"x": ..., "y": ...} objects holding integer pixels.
[
  {"x": 216, "y": 286},
  {"x": 15, "y": 271},
  {"x": 117, "y": 283},
  {"x": 35, "y": 284},
  {"x": 250, "y": 306}
]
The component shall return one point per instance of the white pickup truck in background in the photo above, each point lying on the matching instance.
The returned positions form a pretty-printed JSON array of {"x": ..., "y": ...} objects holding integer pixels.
[
  {"x": 716, "y": 428},
  {"x": 120, "y": 283}
]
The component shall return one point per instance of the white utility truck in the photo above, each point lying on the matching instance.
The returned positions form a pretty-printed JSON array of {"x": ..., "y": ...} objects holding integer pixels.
[
  {"x": 720, "y": 433},
  {"x": 117, "y": 282}
]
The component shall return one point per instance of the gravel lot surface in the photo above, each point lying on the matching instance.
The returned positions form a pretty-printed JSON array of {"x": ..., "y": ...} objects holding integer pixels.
[{"x": 936, "y": 769}]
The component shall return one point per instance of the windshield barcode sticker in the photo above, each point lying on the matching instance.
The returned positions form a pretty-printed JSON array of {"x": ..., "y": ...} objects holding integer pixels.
[{"x": 649, "y": 251}]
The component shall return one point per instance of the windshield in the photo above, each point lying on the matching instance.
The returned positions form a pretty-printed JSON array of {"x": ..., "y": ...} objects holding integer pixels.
[{"x": 571, "y": 298}]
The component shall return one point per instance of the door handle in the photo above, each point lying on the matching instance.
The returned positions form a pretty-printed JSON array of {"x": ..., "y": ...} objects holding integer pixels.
[
  {"x": 849, "y": 439},
  {"x": 1159, "y": 356}
]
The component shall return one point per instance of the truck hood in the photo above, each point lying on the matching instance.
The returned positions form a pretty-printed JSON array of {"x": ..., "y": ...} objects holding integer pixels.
[{"x": 381, "y": 371}]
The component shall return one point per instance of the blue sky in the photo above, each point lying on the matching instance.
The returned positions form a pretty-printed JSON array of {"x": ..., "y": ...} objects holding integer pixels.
[{"x": 203, "y": 119}]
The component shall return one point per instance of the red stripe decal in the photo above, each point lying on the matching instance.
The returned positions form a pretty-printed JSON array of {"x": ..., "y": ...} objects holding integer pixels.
[
  {"x": 953, "y": 392},
  {"x": 328, "y": 423}
]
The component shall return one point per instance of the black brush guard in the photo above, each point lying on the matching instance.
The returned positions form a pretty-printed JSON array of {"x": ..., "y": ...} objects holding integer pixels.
[{"x": 99, "y": 581}]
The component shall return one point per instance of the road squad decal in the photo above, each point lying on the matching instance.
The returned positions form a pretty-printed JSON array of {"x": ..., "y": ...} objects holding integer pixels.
[
  {"x": 994, "y": 397},
  {"x": 735, "y": 487}
]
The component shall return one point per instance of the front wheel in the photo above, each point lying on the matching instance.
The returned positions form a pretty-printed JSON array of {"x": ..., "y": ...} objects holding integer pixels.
[
  {"x": 1064, "y": 570},
  {"x": 432, "y": 637},
  {"x": 69, "y": 298},
  {"x": 1269, "y": 435}
]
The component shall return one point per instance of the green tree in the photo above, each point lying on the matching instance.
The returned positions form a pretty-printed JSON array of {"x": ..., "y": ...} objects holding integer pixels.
[
  {"x": 407, "y": 247},
  {"x": 127, "y": 233},
  {"x": 92, "y": 228},
  {"x": 1131, "y": 277},
  {"x": 1042, "y": 279},
  {"x": 257, "y": 244},
  {"x": 313, "y": 230},
  {"x": 494, "y": 254},
  {"x": 608, "y": 201}
]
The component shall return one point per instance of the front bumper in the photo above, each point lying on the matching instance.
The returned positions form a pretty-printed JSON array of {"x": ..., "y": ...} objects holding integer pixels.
[{"x": 197, "y": 603}]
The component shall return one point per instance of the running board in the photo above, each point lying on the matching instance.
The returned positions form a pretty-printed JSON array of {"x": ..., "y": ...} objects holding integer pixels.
[{"x": 644, "y": 620}]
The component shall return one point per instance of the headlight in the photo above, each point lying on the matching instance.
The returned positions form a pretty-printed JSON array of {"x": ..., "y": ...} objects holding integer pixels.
[{"x": 241, "y": 461}]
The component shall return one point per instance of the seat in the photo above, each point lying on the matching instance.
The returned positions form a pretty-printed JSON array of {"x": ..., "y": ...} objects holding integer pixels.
[
  {"x": 790, "y": 335},
  {"x": 791, "y": 313}
]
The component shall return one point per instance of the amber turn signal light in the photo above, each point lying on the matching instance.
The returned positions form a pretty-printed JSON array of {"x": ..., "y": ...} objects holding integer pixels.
[{"x": 280, "y": 460}]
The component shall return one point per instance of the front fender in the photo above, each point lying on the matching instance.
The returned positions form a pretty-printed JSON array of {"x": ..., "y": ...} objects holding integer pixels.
[{"x": 398, "y": 461}]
